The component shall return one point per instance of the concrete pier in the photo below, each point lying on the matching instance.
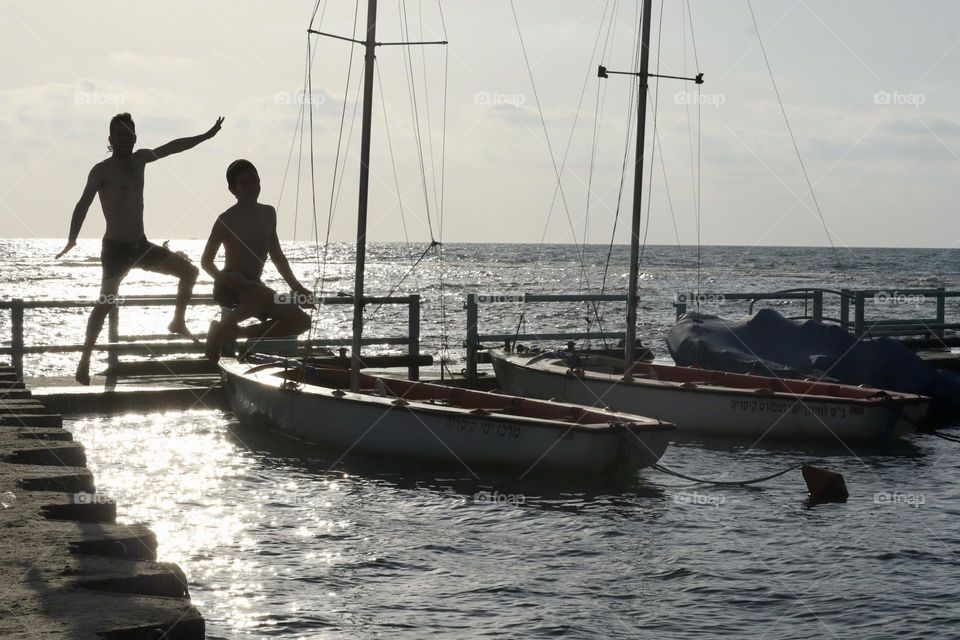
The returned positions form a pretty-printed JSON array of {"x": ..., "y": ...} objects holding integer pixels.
[{"x": 68, "y": 569}]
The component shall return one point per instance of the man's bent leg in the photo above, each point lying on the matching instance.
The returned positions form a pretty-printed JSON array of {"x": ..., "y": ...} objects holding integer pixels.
[{"x": 176, "y": 265}]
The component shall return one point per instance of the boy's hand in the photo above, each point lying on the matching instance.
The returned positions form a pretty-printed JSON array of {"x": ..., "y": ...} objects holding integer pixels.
[
  {"x": 215, "y": 128},
  {"x": 305, "y": 298},
  {"x": 70, "y": 245}
]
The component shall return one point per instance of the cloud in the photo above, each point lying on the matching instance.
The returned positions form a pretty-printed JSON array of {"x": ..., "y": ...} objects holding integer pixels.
[{"x": 130, "y": 59}]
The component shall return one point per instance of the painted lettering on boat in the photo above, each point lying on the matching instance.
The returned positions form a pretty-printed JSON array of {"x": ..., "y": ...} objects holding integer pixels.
[
  {"x": 794, "y": 408},
  {"x": 481, "y": 427}
]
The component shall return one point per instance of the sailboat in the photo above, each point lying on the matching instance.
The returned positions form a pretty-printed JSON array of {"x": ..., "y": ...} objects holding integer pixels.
[
  {"x": 701, "y": 401},
  {"x": 407, "y": 420}
]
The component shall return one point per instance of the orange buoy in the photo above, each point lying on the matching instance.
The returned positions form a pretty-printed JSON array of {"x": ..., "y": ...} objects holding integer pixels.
[{"x": 824, "y": 485}]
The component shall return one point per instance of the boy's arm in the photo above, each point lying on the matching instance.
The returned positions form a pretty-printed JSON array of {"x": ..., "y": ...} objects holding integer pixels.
[
  {"x": 283, "y": 268},
  {"x": 180, "y": 144},
  {"x": 211, "y": 249},
  {"x": 80, "y": 211}
]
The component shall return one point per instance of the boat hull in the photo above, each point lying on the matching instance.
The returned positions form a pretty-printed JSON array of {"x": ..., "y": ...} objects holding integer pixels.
[
  {"x": 717, "y": 412},
  {"x": 362, "y": 424}
]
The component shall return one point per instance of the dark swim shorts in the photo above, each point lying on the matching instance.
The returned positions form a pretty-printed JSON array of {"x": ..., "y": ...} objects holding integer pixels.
[
  {"x": 229, "y": 298},
  {"x": 118, "y": 257}
]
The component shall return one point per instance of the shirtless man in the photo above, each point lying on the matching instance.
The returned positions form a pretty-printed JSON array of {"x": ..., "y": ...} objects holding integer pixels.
[
  {"x": 118, "y": 181},
  {"x": 248, "y": 233}
]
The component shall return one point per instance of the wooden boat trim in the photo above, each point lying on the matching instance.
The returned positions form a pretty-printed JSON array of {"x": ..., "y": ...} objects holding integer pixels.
[{"x": 268, "y": 376}]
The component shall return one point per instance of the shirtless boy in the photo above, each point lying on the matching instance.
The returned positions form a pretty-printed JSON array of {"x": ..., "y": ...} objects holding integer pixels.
[
  {"x": 118, "y": 181},
  {"x": 248, "y": 233}
]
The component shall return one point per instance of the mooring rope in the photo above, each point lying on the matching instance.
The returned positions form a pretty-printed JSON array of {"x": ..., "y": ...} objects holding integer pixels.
[{"x": 734, "y": 483}]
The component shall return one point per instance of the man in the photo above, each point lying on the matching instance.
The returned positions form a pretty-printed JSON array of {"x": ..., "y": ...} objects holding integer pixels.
[
  {"x": 248, "y": 233},
  {"x": 118, "y": 181}
]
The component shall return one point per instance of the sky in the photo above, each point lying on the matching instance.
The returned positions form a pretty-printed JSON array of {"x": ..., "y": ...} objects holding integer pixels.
[{"x": 473, "y": 152}]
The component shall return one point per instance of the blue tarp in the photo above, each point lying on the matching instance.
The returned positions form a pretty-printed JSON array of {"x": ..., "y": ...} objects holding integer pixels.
[{"x": 766, "y": 343}]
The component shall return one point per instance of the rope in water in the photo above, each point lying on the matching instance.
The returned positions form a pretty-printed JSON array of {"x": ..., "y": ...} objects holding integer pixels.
[{"x": 733, "y": 483}]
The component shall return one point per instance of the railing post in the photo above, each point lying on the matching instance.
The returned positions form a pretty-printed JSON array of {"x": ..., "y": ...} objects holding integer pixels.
[
  {"x": 113, "y": 336},
  {"x": 680, "y": 304},
  {"x": 941, "y": 311},
  {"x": 845, "y": 308},
  {"x": 859, "y": 325},
  {"x": 16, "y": 336},
  {"x": 413, "y": 333},
  {"x": 818, "y": 305},
  {"x": 472, "y": 336}
]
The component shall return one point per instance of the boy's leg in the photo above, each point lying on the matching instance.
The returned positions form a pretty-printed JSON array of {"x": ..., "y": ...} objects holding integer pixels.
[
  {"x": 284, "y": 320},
  {"x": 107, "y": 300},
  {"x": 162, "y": 260},
  {"x": 254, "y": 300}
]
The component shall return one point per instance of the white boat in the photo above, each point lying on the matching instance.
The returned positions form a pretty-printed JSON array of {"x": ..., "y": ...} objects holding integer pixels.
[
  {"x": 702, "y": 401},
  {"x": 716, "y": 403},
  {"x": 405, "y": 420},
  {"x": 350, "y": 413}
]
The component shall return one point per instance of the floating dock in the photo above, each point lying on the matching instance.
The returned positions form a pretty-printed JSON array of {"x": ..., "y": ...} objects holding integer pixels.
[{"x": 68, "y": 569}]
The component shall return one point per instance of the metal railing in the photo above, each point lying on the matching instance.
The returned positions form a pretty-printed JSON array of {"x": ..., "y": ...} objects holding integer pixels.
[
  {"x": 475, "y": 339},
  {"x": 853, "y": 307},
  {"x": 117, "y": 344}
]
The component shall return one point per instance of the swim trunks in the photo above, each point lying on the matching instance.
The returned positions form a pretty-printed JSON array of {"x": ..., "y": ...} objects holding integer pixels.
[{"x": 118, "y": 257}]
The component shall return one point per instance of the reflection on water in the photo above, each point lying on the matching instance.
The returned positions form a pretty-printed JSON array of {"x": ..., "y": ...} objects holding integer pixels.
[{"x": 276, "y": 543}]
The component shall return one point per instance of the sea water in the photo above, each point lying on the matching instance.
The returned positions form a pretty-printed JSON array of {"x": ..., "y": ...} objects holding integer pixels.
[{"x": 280, "y": 540}]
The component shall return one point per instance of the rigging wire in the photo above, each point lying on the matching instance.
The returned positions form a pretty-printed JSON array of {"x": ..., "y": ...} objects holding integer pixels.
[
  {"x": 806, "y": 177},
  {"x": 558, "y": 172},
  {"x": 631, "y": 108}
]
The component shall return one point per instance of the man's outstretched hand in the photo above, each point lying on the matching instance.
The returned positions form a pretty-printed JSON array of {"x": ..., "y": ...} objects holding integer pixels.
[
  {"x": 70, "y": 245},
  {"x": 215, "y": 128}
]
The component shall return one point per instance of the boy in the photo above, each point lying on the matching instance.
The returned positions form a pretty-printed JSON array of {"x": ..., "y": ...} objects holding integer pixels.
[
  {"x": 248, "y": 233},
  {"x": 118, "y": 181}
]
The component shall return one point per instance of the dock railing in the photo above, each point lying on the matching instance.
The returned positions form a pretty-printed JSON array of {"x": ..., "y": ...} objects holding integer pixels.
[
  {"x": 154, "y": 345},
  {"x": 475, "y": 339},
  {"x": 857, "y": 309}
]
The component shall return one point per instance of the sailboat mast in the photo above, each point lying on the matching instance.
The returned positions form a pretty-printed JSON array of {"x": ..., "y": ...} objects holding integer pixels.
[
  {"x": 370, "y": 45},
  {"x": 631, "y": 337}
]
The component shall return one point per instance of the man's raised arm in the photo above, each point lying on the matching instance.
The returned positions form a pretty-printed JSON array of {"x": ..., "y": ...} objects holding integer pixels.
[
  {"x": 80, "y": 211},
  {"x": 180, "y": 144}
]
